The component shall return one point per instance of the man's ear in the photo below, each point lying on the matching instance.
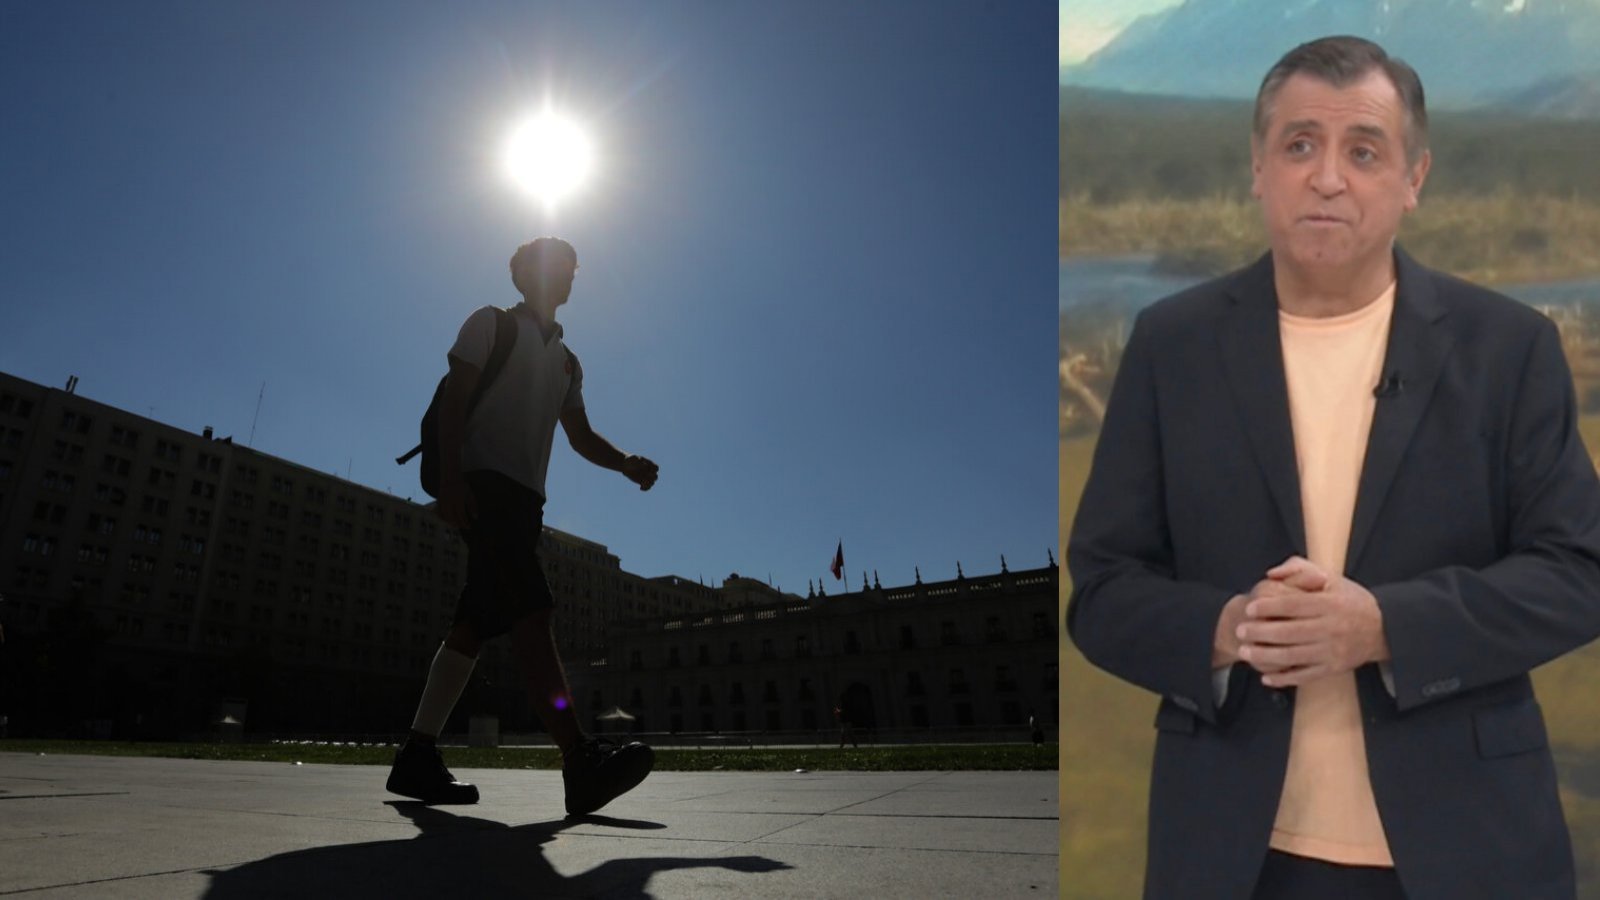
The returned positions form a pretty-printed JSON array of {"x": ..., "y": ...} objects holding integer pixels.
[
  {"x": 1415, "y": 178},
  {"x": 1255, "y": 168}
]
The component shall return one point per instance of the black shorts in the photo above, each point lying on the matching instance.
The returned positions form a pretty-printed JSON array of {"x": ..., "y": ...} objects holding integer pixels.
[{"x": 505, "y": 582}]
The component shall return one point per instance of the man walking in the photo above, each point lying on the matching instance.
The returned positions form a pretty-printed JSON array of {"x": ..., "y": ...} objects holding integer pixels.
[
  {"x": 491, "y": 486},
  {"x": 1339, "y": 510}
]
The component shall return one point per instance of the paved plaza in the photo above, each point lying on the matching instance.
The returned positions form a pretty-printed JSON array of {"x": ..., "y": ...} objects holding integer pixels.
[{"x": 96, "y": 826}]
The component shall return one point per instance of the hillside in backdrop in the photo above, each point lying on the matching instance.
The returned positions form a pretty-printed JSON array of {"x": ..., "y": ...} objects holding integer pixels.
[
  {"x": 1471, "y": 53},
  {"x": 1118, "y": 146}
]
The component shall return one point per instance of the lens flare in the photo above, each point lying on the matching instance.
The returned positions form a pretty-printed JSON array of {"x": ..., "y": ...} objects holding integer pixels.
[{"x": 550, "y": 157}]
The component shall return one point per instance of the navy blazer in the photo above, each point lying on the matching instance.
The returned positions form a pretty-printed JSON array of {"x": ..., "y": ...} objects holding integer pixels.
[{"x": 1476, "y": 526}]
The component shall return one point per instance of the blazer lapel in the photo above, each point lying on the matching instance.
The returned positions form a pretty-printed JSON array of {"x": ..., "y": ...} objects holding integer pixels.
[
  {"x": 1252, "y": 362},
  {"x": 1417, "y": 350}
]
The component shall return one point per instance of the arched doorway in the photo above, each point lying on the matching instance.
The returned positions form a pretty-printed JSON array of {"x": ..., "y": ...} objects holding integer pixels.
[{"x": 856, "y": 706}]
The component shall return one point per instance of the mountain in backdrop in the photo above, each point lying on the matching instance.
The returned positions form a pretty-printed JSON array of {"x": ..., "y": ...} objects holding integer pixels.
[
  {"x": 1566, "y": 97},
  {"x": 1469, "y": 52}
]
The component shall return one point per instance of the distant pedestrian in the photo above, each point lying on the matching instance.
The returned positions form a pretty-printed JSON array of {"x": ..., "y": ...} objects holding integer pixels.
[
  {"x": 847, "y": 728},
  {"x": 491, "y": 486},
  {"x": 1037, "y": 729}
]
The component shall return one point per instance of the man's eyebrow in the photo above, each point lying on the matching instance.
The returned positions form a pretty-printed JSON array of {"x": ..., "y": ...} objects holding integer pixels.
[
  {"x": 1295, "y": 125},
  {"x": 1375, "y": 132}
]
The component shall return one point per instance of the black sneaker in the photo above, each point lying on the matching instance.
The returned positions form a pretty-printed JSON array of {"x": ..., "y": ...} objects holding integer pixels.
[
  {"x": 419, "y": 773},
  {"x": 599, "y": 771}
]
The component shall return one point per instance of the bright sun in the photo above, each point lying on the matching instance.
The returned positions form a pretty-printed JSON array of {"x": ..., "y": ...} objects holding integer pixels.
[{"x": 550, "y": 157}]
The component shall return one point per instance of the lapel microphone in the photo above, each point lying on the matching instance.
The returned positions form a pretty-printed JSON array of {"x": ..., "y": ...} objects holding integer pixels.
[{"x": 1391, "y": 386}]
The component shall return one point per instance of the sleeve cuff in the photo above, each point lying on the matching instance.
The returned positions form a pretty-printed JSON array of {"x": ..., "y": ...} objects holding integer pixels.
[{"x": 1220, "y": 679}]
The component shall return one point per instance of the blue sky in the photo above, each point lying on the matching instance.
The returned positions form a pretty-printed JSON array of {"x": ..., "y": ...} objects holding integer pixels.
[{"x": 818, "y": 255}]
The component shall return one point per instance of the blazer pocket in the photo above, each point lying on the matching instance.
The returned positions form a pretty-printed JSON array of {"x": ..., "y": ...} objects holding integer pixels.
[
  {"x": 1171, "y": 717},
  {"x": 1509, "y": 729}
]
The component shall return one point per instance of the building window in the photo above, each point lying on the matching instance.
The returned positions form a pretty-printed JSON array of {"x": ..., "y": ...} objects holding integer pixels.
[
  {"x": 74, "y": 421},
  {"x": 50, "y": 513},
  {"x": 914, "y": 686},
  {"x": 958, "y": 681},
  {"x": 992, "y": 630},
  {"x": 1041, "y": 626},
  {"x": 947, "y": 633},
  {"x": 964, "y": 715},
  {"x": 908, "y": 638}
]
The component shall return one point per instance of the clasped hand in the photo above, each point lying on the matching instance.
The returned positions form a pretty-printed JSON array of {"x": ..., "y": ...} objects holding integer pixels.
[{"x": 1300, "y": 623}]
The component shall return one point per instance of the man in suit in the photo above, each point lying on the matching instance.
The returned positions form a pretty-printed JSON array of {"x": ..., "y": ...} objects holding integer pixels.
[{"x": 1339, "y": 509}]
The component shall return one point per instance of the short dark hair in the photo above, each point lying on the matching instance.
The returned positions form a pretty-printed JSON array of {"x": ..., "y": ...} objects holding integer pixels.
[
  {"x": 538, "y": 250},
  {"x": 1342, "y": 60}
]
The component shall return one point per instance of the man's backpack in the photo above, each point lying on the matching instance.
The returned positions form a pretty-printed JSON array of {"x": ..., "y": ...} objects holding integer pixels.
[{"x": 505, "y": 337}]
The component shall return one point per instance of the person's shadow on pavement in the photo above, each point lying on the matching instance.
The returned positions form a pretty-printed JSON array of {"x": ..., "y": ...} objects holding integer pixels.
[{"x": 459, "y": 856}]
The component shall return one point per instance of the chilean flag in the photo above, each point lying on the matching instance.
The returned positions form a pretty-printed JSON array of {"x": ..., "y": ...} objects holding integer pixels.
[{"x": 837, "y": 568}]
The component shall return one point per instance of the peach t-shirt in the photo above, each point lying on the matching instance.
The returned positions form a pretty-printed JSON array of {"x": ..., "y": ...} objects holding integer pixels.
[{"x": 1332, "y": 365}]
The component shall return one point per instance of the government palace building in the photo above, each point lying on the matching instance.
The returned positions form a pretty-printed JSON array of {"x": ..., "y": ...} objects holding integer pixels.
[{"x": 159, "y": 583}]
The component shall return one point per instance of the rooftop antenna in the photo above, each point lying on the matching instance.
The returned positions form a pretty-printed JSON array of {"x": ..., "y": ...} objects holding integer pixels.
[{"x": 252, "y": 441}]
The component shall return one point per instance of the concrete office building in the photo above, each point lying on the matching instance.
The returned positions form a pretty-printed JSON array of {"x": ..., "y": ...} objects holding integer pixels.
[{"x": 156, "y": 579}]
